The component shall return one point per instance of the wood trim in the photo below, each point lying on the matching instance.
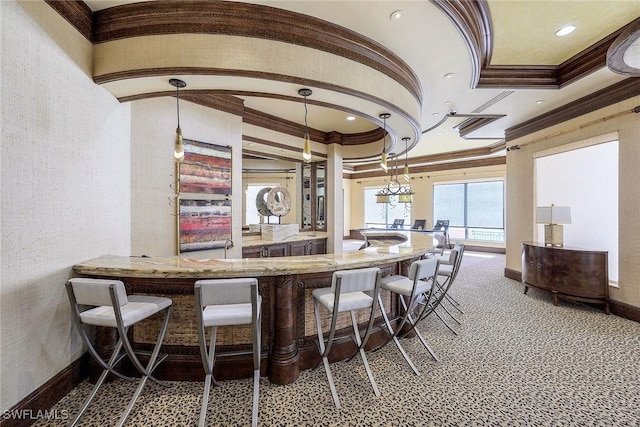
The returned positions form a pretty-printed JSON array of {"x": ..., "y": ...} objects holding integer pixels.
[
  {"x": 519, "y": 76},
  {"x": 625, "y": 310},
  {"x": 615, "y": 53},
  {"x": 278, "y": 124},
  {"x": 473, "y": 20},
  {"x": 513, "y": 274},
  {"x": 227, "y": 103},
  {"x": 460, "y": 154},
  {"x": 586, "y": 62},
  {"x": 231, "y": 102},
  {"x": 261, "y": 155},
  {"x": 613, "y": 94},
  {"x": 474, "y": 123},
  {"x": 45, "y": 396},
  {"x": 77, "y": 13},
  {"x": 147, "y": 72},
  {"x": 485, "y": 249},
  {"x": 475, "y": 163},
  {"x": 251, "y": 20}
]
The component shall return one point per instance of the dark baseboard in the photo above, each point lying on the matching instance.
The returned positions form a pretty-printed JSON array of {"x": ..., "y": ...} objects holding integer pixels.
[
  {"x": 513, "y": 274},
  {"x": 488, "y": 249},
  {"x": 618, "y": 308},
  {"x": 625, "y": 310},
  {"x": 26, "y": 412}
]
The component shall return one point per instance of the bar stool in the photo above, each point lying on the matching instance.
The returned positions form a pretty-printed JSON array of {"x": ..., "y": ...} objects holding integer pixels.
[
  {"x": 448, "y": 270},
  {"x": 112, "y": 308},
  {"x": 227, "y": 302},
  {"x": 351, "y": 290},
  {"x": 417, "y": 287}
]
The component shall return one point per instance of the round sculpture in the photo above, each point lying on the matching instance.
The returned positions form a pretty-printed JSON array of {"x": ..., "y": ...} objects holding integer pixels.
[
  {"x": 261, "y": 203},
  {"x": 279, "y": 201}
]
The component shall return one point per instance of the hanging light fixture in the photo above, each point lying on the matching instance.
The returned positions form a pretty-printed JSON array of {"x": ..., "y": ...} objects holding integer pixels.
[
  {"x": 406, "y": 160},
  {"x": 394, "y": 189},
  {"x": 179, "y": 147},
  {"x": 383, "y": 158},
  {"x": 306, "y": 151}
]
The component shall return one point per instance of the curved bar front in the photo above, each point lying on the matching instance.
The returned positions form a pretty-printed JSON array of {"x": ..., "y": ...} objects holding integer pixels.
[{"x": 288, "y": 331}]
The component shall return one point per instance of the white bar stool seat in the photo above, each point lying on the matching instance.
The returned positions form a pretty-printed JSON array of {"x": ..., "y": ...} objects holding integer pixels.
[
  {"x": 227, "y": 302},
  {"x": 112, "y": 308},
  {"x": 351, "y": 290},
  {"x": 417, "y": 287}
]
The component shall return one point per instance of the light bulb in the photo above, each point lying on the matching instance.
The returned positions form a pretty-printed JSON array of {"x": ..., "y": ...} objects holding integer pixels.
[
  {"x": 306, "y": 152},
  {"x": 179, "y": 150}
]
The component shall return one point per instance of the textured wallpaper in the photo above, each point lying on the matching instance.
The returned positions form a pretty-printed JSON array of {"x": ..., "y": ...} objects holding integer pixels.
[{"x": 65, "y": 189}]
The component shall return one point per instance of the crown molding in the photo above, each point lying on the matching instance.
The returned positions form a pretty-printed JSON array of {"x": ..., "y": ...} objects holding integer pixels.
[{"x": 610, "y": 95}]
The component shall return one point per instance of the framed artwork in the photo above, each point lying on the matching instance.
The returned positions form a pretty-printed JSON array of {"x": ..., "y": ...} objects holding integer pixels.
[
  {"x": 206, "y": 168},
  {"x": 204, "y": 198},
  {"x": 203, "y": 224}
]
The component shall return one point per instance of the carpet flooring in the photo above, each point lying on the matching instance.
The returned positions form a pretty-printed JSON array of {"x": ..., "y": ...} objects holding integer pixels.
[{"x": 517, "y": 360}]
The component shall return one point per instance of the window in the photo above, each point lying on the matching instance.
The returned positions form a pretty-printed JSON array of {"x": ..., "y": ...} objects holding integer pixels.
[
  {"x": 475, "y": 210},
  {"x": 586, "y": 180},
  {"x": 382, "y": 215}
]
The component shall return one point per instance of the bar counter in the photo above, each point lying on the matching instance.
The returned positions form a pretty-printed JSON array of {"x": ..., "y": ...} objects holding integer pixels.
[{"x": 289, "y": 342}]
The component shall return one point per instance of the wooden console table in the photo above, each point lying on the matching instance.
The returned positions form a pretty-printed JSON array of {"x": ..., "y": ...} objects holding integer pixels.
[{"x": 568, "y": 273}]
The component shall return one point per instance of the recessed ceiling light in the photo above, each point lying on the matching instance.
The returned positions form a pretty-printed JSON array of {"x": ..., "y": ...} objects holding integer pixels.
[
  {"x": 449, "y": 75},
  {"x": 351, "y": 118},
  {"x": 440, "y": 133},
  {"x": 395, "y": 15},
  {"x": 567, "y": 29},
  {"x": 435, "y": 114},
  {"x": 540, "y": 101}
]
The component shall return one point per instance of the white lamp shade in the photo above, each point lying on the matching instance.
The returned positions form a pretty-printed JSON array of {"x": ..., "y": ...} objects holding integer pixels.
[{"x": 553, "y": 215}]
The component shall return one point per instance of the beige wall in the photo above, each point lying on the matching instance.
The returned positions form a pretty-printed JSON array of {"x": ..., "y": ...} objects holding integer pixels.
[
  {"x": 520, "y": 187},
  {"x": 65, "y": 189},
  {"x": 422, "y": 185},
  {"x": 153, "y": 124}
]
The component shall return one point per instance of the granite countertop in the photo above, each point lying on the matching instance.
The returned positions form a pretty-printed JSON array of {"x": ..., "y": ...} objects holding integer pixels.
[
  {"x": 185, "y": 267},
  {"x": 257, "y": 240}
]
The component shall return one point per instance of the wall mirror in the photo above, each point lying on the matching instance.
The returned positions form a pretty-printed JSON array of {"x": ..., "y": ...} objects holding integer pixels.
[
  {"x": 314, "y": 201},
  {"x": 321, "y": 200},
  {"x": 307, "y": 197}
]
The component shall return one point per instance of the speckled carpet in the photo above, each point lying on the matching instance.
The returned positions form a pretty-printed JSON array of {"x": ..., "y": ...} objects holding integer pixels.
[{"x": 518, "y": 361}]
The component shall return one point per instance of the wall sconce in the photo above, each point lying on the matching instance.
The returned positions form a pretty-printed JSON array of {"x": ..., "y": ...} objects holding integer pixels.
[
  {"x": 513, "y": 148},
  {"x": 552, "y": 216},
  {"x": 179, "y": 147},
  {"x": 383, "y": 158},
  {"x": 306, "y": 150}
]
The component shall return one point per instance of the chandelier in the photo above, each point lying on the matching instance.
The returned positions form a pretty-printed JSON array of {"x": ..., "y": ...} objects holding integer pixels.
[{"x": 394, "y": 188}]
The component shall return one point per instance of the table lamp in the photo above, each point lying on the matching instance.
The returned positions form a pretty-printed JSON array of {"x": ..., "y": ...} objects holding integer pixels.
[{"x": 552, "y": 217}]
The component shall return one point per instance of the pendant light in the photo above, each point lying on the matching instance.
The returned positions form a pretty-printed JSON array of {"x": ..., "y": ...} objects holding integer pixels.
[
  {"x": 383, "y": 158},
  {"x": 406, "y": 160},
  {"x": 306, "y": 151},
  {"x": 179, "y": 147}
]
